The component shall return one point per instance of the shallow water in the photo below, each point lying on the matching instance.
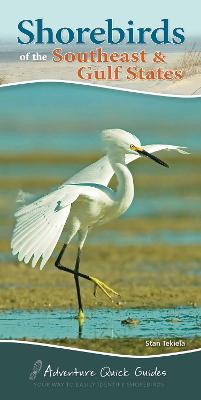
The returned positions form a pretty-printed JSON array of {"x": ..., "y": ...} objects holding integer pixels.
[
  {"x": 182, "y": 322},
  {"x": 66, "y": 117}
]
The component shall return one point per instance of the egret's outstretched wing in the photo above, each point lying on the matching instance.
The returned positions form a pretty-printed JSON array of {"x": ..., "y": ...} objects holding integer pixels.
[
  {"x": 152, "y": 148},
  {"x": 101, "y": 171},
  {"x": 40, "y": 223}
]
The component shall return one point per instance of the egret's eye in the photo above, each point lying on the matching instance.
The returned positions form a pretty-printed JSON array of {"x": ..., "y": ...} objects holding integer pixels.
[{"x": 132, "y": 147}]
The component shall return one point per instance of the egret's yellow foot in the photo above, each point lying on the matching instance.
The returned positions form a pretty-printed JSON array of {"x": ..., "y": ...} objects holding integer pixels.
[
  {"x": 105, "y": 289},
  {"x": 80, "y": 316}
]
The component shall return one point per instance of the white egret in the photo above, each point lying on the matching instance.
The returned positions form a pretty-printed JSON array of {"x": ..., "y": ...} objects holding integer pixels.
[{"x": 84, "y": 201}]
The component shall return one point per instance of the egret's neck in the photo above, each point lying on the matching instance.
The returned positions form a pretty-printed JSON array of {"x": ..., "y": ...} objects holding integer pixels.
[{"x": 125, "y": 189}]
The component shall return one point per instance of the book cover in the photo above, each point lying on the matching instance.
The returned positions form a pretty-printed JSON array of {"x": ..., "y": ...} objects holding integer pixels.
[{"x": 100, "y": 285}]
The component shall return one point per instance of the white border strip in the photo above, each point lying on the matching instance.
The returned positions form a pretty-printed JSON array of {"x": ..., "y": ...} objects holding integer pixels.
[
  {"x": 99, "y": 352},
  {"x": 187, "y": 96}
]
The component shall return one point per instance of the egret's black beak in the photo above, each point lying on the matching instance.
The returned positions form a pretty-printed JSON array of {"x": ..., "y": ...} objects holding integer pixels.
[{"x": 146, "y": 154}]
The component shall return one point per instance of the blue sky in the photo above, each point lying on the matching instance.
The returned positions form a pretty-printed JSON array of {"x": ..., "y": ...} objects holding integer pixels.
[{"x": 83, "y": 13}]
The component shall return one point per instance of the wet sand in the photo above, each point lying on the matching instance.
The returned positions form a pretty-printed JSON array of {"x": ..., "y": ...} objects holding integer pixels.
[{"x": 144, "y": 276}]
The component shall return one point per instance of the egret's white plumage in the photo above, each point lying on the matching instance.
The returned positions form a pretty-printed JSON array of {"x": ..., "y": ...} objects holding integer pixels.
[{"x": 83, "y": 201}]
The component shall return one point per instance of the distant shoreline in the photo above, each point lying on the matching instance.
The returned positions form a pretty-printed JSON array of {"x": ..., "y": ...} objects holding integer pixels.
[{"x": 20, "y": 71}]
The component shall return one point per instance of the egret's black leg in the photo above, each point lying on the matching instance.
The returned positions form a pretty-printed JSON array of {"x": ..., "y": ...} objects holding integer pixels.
[
  {"x": 57, "y": 262},
  {"x": 77, "y": 284},
  {"x": 97, "y": 283},
  {"x": 65, "y": 269},
  {"x": 76, "y": 277}
]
